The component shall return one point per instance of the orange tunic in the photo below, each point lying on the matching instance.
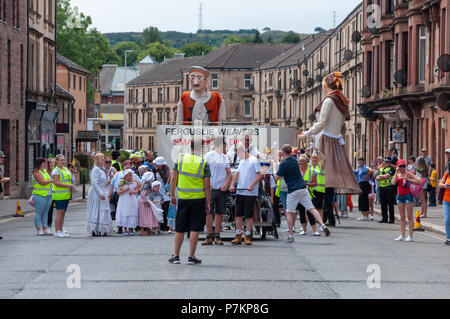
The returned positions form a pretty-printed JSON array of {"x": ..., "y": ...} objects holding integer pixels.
[{"x": 212, "y": 107}]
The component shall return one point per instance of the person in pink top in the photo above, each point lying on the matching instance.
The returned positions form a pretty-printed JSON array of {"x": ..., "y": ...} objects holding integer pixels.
[{"x": 405, "y": 199}]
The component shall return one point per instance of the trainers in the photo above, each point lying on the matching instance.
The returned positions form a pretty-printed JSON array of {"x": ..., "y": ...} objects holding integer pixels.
[
  {"x": 194, "y": 261},
  {"x": 60, "y": 234},
  {"x": 290, "y": 239},
  {"x": 208, "y": 241},
  {"x": 248, "y": 240},
  {"x": 316, "y": 233},
  {"x": 303, "y": 233},
  {"x": 400, "y": 238},
  {"x": 237, "y": 240},
  {"x": 409, "y": 238},
  {"x": 218, "y": 241},
  {"x": 363, "y": 218},
  {"x": 325, "y": 230},
  {"x": 447, "y": 243},
  {"x": 39, "y": 233},
  {"x": 175, "y": 260},
  {"x": 65, "y": 231},
  {"x": 371, "y": 218}
]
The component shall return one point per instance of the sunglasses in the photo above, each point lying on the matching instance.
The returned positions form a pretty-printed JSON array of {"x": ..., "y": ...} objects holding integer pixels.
[
  {"x": 402, "y": 166},
  {"x": 108, "y": 162}
]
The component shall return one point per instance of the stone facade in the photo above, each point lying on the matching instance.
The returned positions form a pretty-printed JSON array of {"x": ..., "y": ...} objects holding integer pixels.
[
  {"x": 402, "y": 79},
  {"x": 13, "y": 54}
]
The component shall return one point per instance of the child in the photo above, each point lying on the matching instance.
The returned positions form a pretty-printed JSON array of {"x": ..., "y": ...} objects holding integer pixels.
[
  {"x": 147, "y": 219},
  {"x": 127, "y": 207},
  {"x": 434, "y": 184},
  {"x": 157, "y": 199},
  {"x": 171, "y": 215}
]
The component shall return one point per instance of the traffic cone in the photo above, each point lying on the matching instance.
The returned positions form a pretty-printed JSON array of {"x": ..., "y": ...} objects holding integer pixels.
[
  {"x": 417, "y": 224},
  {"x": 18, "y": 210}
]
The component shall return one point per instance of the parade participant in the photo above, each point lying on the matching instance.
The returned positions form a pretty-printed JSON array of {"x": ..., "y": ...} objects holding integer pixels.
[
  {"x": 162, "y": 175},
  {"x": 42, "y": 195},
  {"x": 98, "y": 221},
  {"x": 147, "y": 218},
  {"x": 405, "y": 200},
  {"x": 319, "y": 189},
  {"x": 200, "y": 104},
  {"x": 115, "y": 161},
  {"x": 387, "y": 191},
  {"x": 220, "y": 181},
  {"x": 137, "y": 162},
  {"x": 310, "y": 178},
  {"x": 191, "y": 178},
  {"x": 127, "y": 207},
  {"x": 110, "y": 169},
  {"x": 433, "y": 185},
  {"x": 445, "y": 184},
  {"x": 422, "y": 172},
  {"x": 50, "y": 167},
  {"x": 377, "y": 169},
  {"x": 61, "y": 193},
  {"x": 363, "y": 174},
  {"x": 142, "y": 170},
  {"x": 250, "y": 148},
  {"x": 149, "y": 159},
  {"x": 297, "y": 192},
  {"x": 247, "y": 179},
  {"x": 3, "y": 180},
  {"x": 334, "y": 112}
]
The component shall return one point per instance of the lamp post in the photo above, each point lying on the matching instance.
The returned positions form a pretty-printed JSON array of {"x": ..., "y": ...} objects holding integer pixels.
[{"x": 124, "y": 142}]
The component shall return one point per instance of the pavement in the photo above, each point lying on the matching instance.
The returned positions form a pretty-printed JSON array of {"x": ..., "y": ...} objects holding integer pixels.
[
  {"x": 8, "y": 207},
  {"x": 359, "y": 260},
  {"x": 433, "y": 223}
]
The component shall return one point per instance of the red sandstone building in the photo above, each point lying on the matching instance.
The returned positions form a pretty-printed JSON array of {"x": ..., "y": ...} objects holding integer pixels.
[
  {"x": 13, "y": 54},
  {"x": 402, "y": 78}
]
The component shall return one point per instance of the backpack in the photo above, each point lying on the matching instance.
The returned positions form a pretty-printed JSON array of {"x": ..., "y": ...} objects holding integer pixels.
[{"x": 415, "y": 189}]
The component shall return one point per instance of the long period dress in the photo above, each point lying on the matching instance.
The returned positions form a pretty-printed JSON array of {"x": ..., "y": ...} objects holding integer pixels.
[
  {"x": 338, "y": 170},
  {"x": 146, "y": 216},
  {"x": 98, "y": 219},
  {"x": 127, "y": 209}
]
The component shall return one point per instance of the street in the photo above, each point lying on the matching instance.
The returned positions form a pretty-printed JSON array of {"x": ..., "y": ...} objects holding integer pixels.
[{"x": 137, "y": 267}]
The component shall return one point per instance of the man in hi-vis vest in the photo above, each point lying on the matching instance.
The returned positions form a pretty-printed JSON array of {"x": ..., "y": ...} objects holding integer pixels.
[
  {"x": 200, "y": 104},
  {"x": 191, "y": 178}
]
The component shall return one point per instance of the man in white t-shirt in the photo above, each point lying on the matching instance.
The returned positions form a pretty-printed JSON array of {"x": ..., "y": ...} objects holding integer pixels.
[
  {"x": 220, "y": 181},
  {"x": 251, "y": 149},
  {"x": 247, "y": 178}
]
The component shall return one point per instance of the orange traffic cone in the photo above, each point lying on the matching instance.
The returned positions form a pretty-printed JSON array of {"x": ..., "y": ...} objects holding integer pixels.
[
  {"x": 18, "y": 210},
  {"x": 417, "y": 224}
]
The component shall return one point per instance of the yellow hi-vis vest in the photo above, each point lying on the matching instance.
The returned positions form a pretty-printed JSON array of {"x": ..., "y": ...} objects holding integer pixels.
[
  {"x": 41, "y": 190},
  {"x": 278, "y": 191},
  {"x": 386, "y": 182},
  {"x": 320, "y": 173},
  {"x": 114, "y": 162},
  {"x": 308, "y": 179},
  {"x": 191, "y": 171},
  {"x": 60, "y": 193}
]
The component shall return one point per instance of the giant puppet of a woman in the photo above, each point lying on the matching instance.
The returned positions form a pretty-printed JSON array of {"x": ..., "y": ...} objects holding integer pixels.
[{"x": 327, "y": 131}]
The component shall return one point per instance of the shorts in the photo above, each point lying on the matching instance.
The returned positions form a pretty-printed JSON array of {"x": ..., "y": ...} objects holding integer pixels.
[
  {"x": 405, "y": 199},
  {"x": 318, "y": 199},
  {"x": 299, "y": 196},
  {"x": 218, "y": 202},
  {"x": 61, "y": 204},
  {"x": 245, "y": 206},
  {"x": 191, "y": 215}
]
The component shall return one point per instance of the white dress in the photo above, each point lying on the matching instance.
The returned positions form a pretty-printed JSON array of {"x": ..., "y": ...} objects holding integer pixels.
[
  {"x": 98, "y": 213},
  {"x": 127, "y": 209}
]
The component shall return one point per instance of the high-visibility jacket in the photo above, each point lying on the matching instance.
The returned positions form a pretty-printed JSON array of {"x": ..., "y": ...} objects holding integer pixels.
[
  {"x": 386, "y": 182},
  {"x": 308, "y": 179},
  {"x": 120, "y": 165},
  {"x": 320, "y": 173},
  {"x": 61, "y": 193},
  {"x": 41, "y": 190},
  {"x": 278, "y": 191},
  {"x": 191, "y": 172}
]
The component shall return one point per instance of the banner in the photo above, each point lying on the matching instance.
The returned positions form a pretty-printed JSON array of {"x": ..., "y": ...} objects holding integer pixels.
[{"x": 173, "y": 139}]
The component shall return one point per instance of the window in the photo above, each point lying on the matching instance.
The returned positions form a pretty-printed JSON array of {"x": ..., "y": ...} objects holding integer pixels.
[
  {"x": 151, "y": 142},
  {"x": 137, "y": 120},
  {"x": 22, "y": 76},
  {"x": 391, "y": 48},
  {"x": 160, "y": 115},
  {"x": 390, "y": 6},
  {"x": 80, "y": 116},
  {"x": 143, "y": 118},
  {"x": 177, "y": 94},
  {"x": 215, "y": 81},
  {"x": 422, "y": 53},
  {"x": 247, "y": 108},
  {"x": 137, "y": 142},
  {"x": 68, "y": 81},
  {"x": 130, "y": 120},
  {"x": 143, "y": 98},
  {"x": 160, "y": 95},
  {"x": 9, "y": 72},
  {"x": 136, "y": 101},
  {"x": 174, "y": 114},
  {"x": 150, "y": 95},
  {"x": 168, "y": 94},
  {"x": 247, "y": 81},
  {"x": 150, "y": 120}
]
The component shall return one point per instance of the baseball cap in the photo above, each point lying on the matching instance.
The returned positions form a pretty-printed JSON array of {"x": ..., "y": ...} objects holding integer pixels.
[
  {"x": 388, "y": 159},
  {"x": 447, "y": 150},
  {"x": 401, "y": 162},
  {"x": 423, "y": 150}
]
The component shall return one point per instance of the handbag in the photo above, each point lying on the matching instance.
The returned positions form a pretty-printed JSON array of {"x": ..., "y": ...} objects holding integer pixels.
[
  {"x": 415, "y": 189},
  {"x": 31, "y": 201},
  {"x": 441, "y": 194}
]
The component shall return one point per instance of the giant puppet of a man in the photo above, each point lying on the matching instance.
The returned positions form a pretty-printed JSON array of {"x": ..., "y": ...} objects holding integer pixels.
[{"x": 200, "y": 104}]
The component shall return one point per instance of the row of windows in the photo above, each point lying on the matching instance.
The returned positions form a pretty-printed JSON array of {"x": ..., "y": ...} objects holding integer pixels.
[
  {"x": 146, "y": 95},
  {"x": 146, "y": 119},
  {"x": 13, "y": 16},
  {"x": 9, "y": 74},
  {"x": 48, "y": 8},
  {"x": 73, "y": 84},
  {"x": 136, "y": 142}
]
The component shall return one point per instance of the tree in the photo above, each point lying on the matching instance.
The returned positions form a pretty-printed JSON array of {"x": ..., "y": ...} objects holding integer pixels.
[
  {"x": 269, "y": 39},
  {"x": 319, "y": 29},
  {"x": 291, "y": 37},
  {"x": 157, "y": 51},
  {"x": 233, "y": 39},
  {"x": 257, "y": 38},
  {"x": 120, "y": 48},
  {"x": 266, "y": 29},
  {"x": 152, "y": 35},
  {"x": 196, "y": 49}
]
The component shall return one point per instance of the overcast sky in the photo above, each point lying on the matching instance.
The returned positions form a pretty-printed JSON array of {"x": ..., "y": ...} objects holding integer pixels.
[{"x": 183, "y": 15}]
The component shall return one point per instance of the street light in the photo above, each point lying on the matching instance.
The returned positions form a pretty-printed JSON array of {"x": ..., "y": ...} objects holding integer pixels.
[{"x": 124, "y": 142}]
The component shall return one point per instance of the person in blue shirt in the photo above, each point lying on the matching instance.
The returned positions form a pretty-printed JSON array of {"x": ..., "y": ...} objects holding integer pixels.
[
  {"x": 363, "y": 174},
  {"x": 297, "y": 191}
]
